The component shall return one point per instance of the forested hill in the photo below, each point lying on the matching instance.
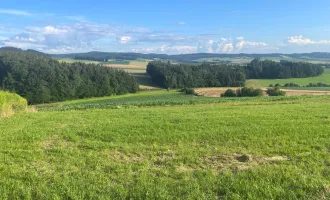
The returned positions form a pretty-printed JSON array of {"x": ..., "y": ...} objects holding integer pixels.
[
  {"x": 41, "y": 79},
  {"x": 101, "y": 56}
]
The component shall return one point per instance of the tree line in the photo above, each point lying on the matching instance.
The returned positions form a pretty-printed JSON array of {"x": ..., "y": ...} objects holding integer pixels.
[
  {"x": 169, "y": 75},
  {"x": 41, "y": 79},
  {"x": 267, "y": 69}
]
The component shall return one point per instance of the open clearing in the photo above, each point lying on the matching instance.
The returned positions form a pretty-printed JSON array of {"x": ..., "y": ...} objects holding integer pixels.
[{"x": 198, "y": 148}]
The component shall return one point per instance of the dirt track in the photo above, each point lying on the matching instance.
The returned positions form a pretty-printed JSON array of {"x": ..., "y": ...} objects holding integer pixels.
[{"x": 215, "y": 92}]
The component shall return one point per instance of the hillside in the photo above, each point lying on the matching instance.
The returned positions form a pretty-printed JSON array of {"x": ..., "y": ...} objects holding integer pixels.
[
  {"x": 11, "y": 103},
  {"x": 250, "y": 148}
]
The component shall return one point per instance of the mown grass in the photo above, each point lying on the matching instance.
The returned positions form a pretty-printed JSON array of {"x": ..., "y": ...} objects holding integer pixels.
[
  {"x": 11, "y": 103},
  {"x": 175, "y": 152},
  {"x": 324, "y": 78}
]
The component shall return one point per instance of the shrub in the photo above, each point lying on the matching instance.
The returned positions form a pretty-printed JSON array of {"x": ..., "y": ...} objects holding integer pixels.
[
  {"x": 249, "y": 92},
  {"x": 277, "y": 85},
  {"x": 271, "y": 85},
  {"x": 291, "y": 85},
  {"x": 317, "y": 85},
  {"x": 229, "y": 93},
  {"x": 275, "y": 91},
  {"x": 243, "y": 92},
  {"x": 190, "y": 91}
]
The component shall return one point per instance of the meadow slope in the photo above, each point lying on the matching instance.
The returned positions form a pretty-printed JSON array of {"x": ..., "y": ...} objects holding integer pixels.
[
  {"x": 260, "y": 83},
  {"x": 267, "y": 148}
]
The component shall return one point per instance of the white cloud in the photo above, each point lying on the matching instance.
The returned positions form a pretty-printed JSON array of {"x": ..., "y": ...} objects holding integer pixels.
[
  {"x": 166, "y": 49},
  {"x": 3, "y": 38},
  {"x": 181, "y": 23},
  {"x": 300, "y": 40},
  {"x": 228, "y": 45},
  {"x": 14, "y": 12},
  {"x": 125, "y": 39}
]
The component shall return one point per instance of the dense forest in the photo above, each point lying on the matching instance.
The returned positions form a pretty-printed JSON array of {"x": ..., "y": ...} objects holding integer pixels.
[
  {"x": 267, "y": 69},
  {"x": 169, "y": 75},
  {"x": 41, "y": 79}
]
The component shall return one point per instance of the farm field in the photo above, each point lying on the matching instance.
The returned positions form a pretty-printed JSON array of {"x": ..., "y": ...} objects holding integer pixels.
[
  {"x": 70, "y": 60},
  {"x": 216, "y": 92},
  {"x": 135, "y": 66},
  {"x": 324, "y": 78},
  {"x": 243, "y": 148}
]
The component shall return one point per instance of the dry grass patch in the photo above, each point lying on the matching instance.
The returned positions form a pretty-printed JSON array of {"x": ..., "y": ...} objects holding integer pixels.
[
  {"x": 238, "y": 162},
  {"x": 55, "y": 142}
]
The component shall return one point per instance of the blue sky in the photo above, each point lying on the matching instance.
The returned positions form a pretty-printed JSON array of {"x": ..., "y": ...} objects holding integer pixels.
[{"x": 172, "y": 27}]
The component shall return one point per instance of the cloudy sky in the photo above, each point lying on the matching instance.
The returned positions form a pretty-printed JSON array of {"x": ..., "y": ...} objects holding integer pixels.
[{"x": 171, "y": 27}]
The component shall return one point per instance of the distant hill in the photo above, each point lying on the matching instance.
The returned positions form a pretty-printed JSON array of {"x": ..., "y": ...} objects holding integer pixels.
[
  {"x": 14, "y": 49},
  {"x": 102, "y": 56}
]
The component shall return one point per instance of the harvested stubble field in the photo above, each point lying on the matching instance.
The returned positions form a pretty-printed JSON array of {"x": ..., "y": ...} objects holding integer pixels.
[
  {"x": 216, "y": 92},
  {"x": 148, "y": 148}
]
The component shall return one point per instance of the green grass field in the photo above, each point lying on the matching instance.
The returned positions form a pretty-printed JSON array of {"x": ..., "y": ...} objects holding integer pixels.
[
  {"x": 250, "y": 148},
  {"x": 324, "y": 78}
]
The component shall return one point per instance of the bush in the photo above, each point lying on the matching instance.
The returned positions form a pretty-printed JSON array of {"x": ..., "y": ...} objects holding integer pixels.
[
  {"x": 291, "y": 85},
  {"x": 249, "y": 92},
  {"x": 243, "y": 92},
  {"x": 190, "y": 91},
  {"x": 275, "y": 91},
  {"x": 229, "y": 93},
  {"x": 317, "y": 85},
  {"x": 277, "y": 85}
]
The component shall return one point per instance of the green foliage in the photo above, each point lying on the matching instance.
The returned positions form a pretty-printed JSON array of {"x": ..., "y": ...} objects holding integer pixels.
[
  {"x": 10, "y": 103},
  {"x": 267, "y": 69},
  {"x": 41, "y": 79},
  {"x": 249, "y": 92},
  {"x": 229, "y": 93},
  {"x": 169, "y": 75},
  {"x": 318, "y": 85},
  {"x": 182, "y": 152},
  {"x": 324, "y": 78},
  {"x": 190, "y": 91},
  {"x": 291, "y": 85},
  {"x": 276, "y": 91}
]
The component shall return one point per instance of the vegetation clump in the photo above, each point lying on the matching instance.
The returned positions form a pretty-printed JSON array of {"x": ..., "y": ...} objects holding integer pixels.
[
  {"x": 190, "y": 91},
  {"x": 291, "y": 85},
  {"x": 275, "y": 91},
  {"x": 243, "y": 92},
  {"x": 229, "y": 93},
  {"x": 11, "y": 103},
  {"x": 318, "y": 85}
]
